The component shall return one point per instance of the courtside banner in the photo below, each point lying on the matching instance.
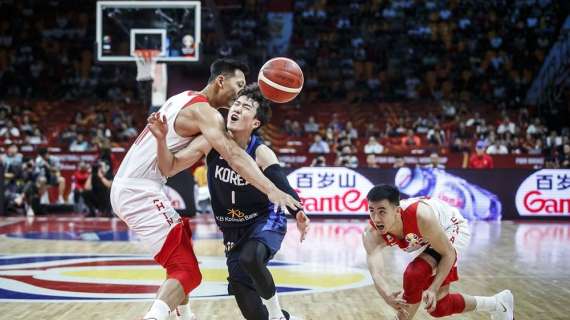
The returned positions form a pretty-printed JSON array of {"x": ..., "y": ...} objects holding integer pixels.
[
  {"x": 331, "y": 190},
  {"x": 544, "y": 193}
]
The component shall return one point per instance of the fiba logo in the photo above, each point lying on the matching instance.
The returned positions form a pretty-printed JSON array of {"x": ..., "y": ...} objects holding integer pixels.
[{"x": 412, "y": 239}]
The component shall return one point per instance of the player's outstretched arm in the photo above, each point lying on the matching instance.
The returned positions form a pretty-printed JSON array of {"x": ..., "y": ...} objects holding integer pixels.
[
  {"x": 433, "y": 232},
  {"x": 268, "y": 162},
  {"x": 212, "y": 127},
  {"x": 374, "y": 245},
  {"x": 169, "y": 163}
]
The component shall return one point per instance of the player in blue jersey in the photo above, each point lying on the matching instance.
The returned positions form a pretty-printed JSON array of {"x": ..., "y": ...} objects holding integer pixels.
[{"x": 252, "y": 227}]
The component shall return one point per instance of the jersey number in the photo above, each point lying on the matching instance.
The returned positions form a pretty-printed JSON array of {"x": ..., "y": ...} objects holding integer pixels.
[{"x": 233, "y": 197}]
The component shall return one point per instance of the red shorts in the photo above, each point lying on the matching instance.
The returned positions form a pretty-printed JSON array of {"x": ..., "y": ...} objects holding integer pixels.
[{"x": 178, "y": 258}]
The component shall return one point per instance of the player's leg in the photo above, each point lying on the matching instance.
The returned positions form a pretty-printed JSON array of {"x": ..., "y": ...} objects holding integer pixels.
[
  {"x": 253, "y": 260},
  {"x": 499, "y": 305},
  {"x": 178, "y": 258},
  {"x": 416, "y": 278},
  {"x": 241, "y": 287}
]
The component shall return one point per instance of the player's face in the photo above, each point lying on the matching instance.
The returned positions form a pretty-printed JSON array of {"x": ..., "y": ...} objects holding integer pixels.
[
  {"x": 241, "y": 116},
  {"x": 231, "y": 87},
  {"x": 383, "y": 214}
]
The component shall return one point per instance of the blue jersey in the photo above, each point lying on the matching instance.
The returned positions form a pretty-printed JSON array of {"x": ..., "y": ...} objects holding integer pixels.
[{"x": 235, "y": 202}]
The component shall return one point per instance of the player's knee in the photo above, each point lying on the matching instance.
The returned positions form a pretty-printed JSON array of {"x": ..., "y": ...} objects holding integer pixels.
[
  {"x": 189, "y": 279},
  {"x": 250, "y": 260},
  {"x": 417, "y": 273},
  {"x": 450, "y": 304}
]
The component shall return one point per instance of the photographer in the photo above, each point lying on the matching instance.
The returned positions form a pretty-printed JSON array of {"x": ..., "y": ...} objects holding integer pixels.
[
  {"x": 48, "y": 167},
  {"x": 97, "y": 189}
]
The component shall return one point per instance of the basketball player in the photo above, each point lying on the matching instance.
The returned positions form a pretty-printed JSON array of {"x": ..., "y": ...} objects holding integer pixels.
[
  {"x": 137, "y": 193},
  {"x": 252, "y": 229},
  {"x": 439, "y": 234}
]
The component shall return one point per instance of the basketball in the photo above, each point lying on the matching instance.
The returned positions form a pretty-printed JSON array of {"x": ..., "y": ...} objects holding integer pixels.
[{"x": 280, "y": 80}]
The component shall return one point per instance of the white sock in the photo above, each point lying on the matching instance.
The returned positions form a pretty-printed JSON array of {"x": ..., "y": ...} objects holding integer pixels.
[
  {"x": 184, "y": 312},
  {"x": 273, "y": 307},
  {"x": 159, "y": 311},
  {"x": 488, "y": 304}
]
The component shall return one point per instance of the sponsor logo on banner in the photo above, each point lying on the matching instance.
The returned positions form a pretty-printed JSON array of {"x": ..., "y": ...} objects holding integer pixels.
[
  {"x": 545, "y": 193},
  {"x": 331, "y": 190}
]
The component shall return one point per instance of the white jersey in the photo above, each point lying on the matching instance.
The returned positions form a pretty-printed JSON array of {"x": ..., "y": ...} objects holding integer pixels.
[{"x": 141, "y": 160}]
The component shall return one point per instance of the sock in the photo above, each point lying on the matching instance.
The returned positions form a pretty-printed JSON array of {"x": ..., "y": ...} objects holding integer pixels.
[
  {"x": 184, "y": 312},
  {"x": 159, "y": 311},
  {"x": 485, "y": 304},
  {"x": 273, "y": 307}
]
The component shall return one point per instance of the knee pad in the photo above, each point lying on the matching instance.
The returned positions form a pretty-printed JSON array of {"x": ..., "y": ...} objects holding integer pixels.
[
  {"x": 448, "y": 305},
  {"x": 417, "y": 274},
  {"x": 189, "y": 278}
]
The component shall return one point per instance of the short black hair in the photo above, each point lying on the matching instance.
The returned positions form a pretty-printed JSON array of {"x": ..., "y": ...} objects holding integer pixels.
[
  {"x": 263, "y": 112},
  {"x": 226, "y": 66},
  {"x": 384, "y": 192}
]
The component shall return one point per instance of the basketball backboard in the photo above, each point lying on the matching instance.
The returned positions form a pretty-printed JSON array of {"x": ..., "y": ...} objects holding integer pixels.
[{"x": 172, "y": 27}]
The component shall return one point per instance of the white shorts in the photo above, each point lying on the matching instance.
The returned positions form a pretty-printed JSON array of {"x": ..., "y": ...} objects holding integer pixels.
[{"x": 143, "y": 206}]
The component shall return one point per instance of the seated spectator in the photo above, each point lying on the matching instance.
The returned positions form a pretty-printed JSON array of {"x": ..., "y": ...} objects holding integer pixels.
[
  {"x": 480, "y": 160},
  {"x": 411, "y": 140},
  {"x": 372, "y": 130},
  {"x": 48, "y": 167},
  {"x": 69, "y": 134},
  {"x": 78, "y": 181},
  {"x": 319, "y": 146},
  {"x": 434, "y": 162},
  {"x": 36, "y": 137},
  {"x": 459, "y": 145},
  {"x": 507, "y": 126},
  {"x": 351, "y": 132},
  {"x": 461, "y": 132},
  {"x": 311, "y": 126},
  {"x": 516, "y": 146},
  {"x": 564, "y": 158},
  {"x": 475, "y": 121},
  {"x": 12, "y": 161},
  {"x": 371, "y": 161},
  {"x": 436, "y": 135},
  {"x": 319, "y": 161},
  {"x": 10, "y": 131},
  {"x": 535, "y": 129},
  {"x": 296, "y": 129},
  {"x": 537, "y": 148},
  {"x": 79, "y": 144},
  {"x": 373, "y": 146},
  {"x": 497, "y": 147}
]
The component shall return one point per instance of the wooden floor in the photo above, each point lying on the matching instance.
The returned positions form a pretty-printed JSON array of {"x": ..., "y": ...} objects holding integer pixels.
[{"x": 66, "y": 259}]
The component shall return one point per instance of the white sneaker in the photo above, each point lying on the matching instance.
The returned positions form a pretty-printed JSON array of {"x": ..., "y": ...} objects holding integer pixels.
[{"x": 506, "y": 304}]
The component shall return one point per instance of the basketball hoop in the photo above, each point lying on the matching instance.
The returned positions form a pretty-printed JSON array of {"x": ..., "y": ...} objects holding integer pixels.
[{"x": 146, "y": 63}]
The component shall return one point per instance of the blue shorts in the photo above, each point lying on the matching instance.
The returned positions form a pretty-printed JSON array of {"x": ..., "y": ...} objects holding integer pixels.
[{"x": 268, "y": 232}]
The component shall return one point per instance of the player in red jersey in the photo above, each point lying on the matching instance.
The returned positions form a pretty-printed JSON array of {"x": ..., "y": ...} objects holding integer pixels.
[{"x": 438, "y": 234}]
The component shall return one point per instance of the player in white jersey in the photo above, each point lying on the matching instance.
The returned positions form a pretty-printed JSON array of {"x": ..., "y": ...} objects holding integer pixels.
[
  {"x": 439, "y": 235},
  {"x": 137, "y": 193}
]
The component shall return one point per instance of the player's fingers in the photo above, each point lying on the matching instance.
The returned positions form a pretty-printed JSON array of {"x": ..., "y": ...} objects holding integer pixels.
[{"x": 164, "y": 119}]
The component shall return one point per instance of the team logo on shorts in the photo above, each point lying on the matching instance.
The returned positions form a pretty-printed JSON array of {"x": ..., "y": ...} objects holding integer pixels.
[{"x": 135, "y": 277}]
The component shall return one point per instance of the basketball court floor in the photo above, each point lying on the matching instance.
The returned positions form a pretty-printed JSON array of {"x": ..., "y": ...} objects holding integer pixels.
[{"x": 78, "y": 268}]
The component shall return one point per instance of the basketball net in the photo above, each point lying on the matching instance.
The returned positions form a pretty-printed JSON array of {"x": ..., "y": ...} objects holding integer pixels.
[{"x": 146, "y": 63}]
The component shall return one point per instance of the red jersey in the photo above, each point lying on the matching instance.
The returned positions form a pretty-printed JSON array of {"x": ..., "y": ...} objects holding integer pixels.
[{"x": 481, "y": 162}]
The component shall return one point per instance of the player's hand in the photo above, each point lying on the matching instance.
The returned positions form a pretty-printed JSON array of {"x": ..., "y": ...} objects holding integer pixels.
[
  {"x": 396, "y": 301},
  {"x": 157, "y": 125},
  {"x": 302, "y": 224},
  {"x": 429, "y": 298},
  {"x": 282, "y": 200}
]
